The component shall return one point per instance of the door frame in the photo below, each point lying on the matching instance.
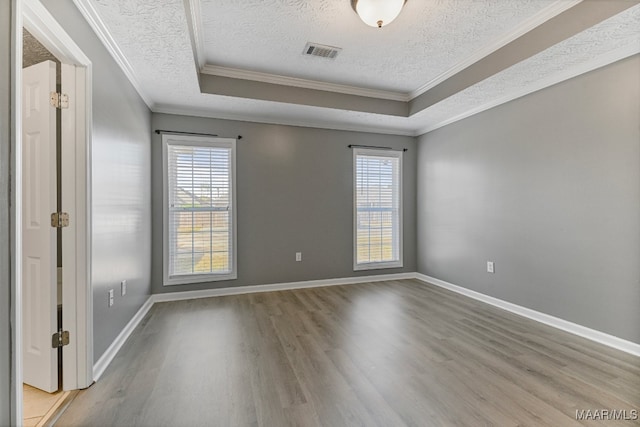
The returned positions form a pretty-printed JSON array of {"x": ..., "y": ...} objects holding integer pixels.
[{"x": 76, "y": 180}]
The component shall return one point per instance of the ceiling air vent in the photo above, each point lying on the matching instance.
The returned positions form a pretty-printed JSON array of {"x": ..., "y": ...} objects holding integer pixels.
[{"x": 323, "y": 51}]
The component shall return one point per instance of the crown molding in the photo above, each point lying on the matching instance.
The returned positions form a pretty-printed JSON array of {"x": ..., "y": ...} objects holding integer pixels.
[
  {"x": 536, "y": 20},
  {"x": 599, "y": 62},
  {"x": 195, "y": 112},
  {"x": 93, "y": 18},
  {"x": 237, "y": 73},
  {"x": 196, "y": 31}
]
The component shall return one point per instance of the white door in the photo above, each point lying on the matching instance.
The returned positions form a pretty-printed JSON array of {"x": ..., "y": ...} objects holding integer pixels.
[{"x": 39, "y": 287}]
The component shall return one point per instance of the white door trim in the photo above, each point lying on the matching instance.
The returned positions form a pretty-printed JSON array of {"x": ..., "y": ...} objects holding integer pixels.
[
  {"x": 39, "y": 22},
  {"x": 76, "y": 292},
  {"x": 16, "y": 225}
]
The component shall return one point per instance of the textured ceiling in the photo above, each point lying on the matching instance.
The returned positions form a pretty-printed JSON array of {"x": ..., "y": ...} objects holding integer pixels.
[
  {"x": 33, "y": 52},
  {"x": 154, "y": 39},
  {"x": 427, "y": 39}
]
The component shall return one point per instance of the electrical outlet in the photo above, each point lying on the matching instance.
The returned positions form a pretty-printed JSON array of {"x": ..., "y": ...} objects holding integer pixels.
[
  {"x": 110, "y": 297},
  {"x": 490, "y": 268},
  {"x": 123, "y": 287},
  {"x": 298, "y": 256}
]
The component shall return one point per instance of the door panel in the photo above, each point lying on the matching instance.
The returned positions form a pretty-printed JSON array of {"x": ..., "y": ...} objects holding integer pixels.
[{"x": 39, "y": 287}]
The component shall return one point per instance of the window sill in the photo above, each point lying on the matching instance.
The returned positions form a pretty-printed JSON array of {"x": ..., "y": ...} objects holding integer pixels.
[
  {"x": 377, "y": 265},
  {"x": 200, "y": 278}
]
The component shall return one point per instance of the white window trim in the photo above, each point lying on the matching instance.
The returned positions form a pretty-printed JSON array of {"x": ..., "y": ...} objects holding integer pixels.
[
  {"x": 377, "y": 265},
  {"x": 169, "y": 139}
]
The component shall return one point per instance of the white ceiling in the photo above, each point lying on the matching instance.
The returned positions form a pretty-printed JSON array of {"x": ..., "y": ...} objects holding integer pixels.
[{"x": 430, "y": 39}]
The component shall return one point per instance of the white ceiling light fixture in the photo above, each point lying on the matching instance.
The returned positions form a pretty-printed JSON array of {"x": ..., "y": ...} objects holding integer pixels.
[{"x": 377, "y": 13}]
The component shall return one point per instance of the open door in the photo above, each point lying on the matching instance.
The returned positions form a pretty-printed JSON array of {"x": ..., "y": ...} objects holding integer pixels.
[{"x": 39, "y": 244}]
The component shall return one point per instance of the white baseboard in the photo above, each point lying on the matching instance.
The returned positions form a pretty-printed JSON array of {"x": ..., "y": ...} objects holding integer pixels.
[
  {"x": 206, "y": 293},
  {"x": 101, "y": 365},
  {"x": 583, "y": 331}
]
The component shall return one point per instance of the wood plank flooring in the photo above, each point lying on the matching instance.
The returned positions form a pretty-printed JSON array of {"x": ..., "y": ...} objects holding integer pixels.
[
  {"x": 397, "y": 353},
  {"x": 39, "y": 406}
]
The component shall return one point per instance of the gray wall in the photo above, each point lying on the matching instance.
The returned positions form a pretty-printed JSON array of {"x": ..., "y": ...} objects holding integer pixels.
[
  {"x": 121, "y": 205},
  {"x": 7, "y": 399},
  {"x": 294, "y": 195},
  {"x": 241, "y": 88},
  {"x": 547, "y": 187}
]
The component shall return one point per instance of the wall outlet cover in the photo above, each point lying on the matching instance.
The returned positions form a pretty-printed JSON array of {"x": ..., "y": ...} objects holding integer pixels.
[{"x": 490, "y": 267}]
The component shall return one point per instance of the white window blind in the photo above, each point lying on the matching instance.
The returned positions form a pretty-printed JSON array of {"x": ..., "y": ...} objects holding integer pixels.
[
  {"x": 199, "y": 211},
  {"x": 378, "y": 209}
]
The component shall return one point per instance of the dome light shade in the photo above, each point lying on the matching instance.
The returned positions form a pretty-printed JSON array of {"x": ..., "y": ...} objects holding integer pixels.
[{"x": 377, "y": 13}]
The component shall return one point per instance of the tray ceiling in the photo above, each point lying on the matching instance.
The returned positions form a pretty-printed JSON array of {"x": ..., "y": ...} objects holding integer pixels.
[
  {"x": 427, "y": 39},
  {"x": 161, "y": 46}
]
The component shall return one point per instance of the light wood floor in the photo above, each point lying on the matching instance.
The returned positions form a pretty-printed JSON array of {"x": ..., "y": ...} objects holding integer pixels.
[
  {"x": 379, "y": 354},
  {"x": 39, "y": 406}
]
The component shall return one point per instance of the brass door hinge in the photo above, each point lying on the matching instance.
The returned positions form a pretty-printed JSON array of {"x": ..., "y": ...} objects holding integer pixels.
[
  {"x": 59, "y": 219},
  {"x": 59, "y": 100},
  {"x": 60, "y": 339}
]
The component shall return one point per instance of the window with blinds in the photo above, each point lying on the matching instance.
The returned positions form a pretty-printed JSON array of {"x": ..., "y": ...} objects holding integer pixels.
[
  {"x": 199, "y": 209},
  {"x": 377, "y": 209}
]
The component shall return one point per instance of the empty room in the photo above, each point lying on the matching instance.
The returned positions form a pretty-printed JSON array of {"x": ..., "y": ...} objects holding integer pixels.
[{"x": 319, "y": 213}]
